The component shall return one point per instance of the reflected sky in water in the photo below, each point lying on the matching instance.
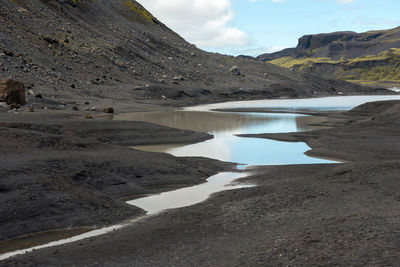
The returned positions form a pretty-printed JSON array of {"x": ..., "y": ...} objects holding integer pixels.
[
  {"x": 189, "y": 195},
  {"x": 225, "y": 146},
  {"x": 323, "y": 103},
  {"x": 251, "y": 151}
]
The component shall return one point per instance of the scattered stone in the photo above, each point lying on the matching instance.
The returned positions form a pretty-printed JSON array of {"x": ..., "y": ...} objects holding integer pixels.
[
  {"x": 120, "y": 63},
  {"x": 235, "y": 70},
  {"x": 93, "y": 108},
  {"x": 73, "y": 86},
  {"x": 50, "y": 40},
  {"x": 3, "y": 105},
  {"x": 13, "y": 106},
  {"x": 12, "y": 91},
  {"x": 75, "y": 108},
  {"x": 108, "y": 110},
  {"x": 24, "y": 10},
  {"x": 265, "y": 74},
  {"x": 31, "y": 109},
  {"x": 9, "y": 53},
  {"x": 87, "y": 117},
  {"x": 163, "y": 97},
  {"x": 87, "y": 103},
  {"x": 178, "y": 78},
  {"x": 39, "y": 96}
]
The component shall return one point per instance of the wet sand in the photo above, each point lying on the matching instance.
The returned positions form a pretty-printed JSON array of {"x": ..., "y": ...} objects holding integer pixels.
[
  {"x": 331, "y": 214},
  {"x": 59, "y": 171}
]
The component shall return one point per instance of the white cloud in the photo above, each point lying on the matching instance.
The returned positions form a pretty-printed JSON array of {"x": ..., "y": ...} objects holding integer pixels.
[
  {"x": 278, "y": 1},
  {"x": 202, "y": 22},
  {"x": 345, "y": 1}
]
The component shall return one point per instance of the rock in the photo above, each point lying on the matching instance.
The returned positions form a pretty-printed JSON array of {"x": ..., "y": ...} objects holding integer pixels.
[
  {"x": 235, "y": 70},
  {"x": 13, "y": 106},
  {"x": 75, "y": 108},
  {"x": 178, "y": 78},
  {"x": 50, "y": 40},
  {"x": 31, "y": 109},
  {"x": 93, "y": 108},
  {"x": 9, "y": 53},
  {"x": 108, "y": 110},
  {"x": 12, "y": 91},
  {"x": 39, "y": 96},
  {"x": 87, "y": 103},
  {"x": 87, "y": 117}
]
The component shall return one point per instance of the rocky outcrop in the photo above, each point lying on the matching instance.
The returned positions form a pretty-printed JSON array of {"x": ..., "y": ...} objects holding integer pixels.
[
  {"x": 370, "y": 57},
  {"x": 12, "y": 92},
  {"x": 340, "y": 45}
]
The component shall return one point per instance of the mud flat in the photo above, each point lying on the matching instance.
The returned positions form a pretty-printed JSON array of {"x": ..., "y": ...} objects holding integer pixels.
[
  {"x": 331, "y": 214},
  {"x": 63, "y": 172}
]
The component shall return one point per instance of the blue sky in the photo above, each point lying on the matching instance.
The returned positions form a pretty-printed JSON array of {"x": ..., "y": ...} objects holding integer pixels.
[{"x": 259, "y": 26}]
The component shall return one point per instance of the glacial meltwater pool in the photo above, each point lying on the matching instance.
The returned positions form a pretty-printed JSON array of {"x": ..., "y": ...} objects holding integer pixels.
[{"x": 226, "y": 146}]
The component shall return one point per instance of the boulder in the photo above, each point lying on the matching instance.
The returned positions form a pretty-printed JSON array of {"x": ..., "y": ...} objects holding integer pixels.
[
  {"x": 235, "y": 70},
  {"x": 12, "y": 92},
  {"x": 108, "y": 110}
]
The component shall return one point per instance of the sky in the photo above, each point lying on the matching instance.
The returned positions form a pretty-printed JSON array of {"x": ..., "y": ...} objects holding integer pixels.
[{"x": 254, "y": 27}]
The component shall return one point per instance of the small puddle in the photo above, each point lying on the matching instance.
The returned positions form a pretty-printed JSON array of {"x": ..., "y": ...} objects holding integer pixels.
[{"x": 189, "y": 195}]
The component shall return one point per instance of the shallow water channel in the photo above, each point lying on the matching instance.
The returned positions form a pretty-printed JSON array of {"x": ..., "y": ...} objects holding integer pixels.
[{"x": 226, "y": 146}]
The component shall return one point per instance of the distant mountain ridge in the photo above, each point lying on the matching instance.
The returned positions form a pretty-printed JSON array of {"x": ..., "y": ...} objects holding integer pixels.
[{"x": 370, "y": 57}]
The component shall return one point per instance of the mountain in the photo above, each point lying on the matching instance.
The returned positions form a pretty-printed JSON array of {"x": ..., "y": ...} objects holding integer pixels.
[
  {"x": 369, "y": 58},
  {"x": 116, "y": 49}
]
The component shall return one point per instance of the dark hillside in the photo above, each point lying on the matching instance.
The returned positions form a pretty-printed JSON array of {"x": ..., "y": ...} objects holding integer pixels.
[{"x": 118, "y": 50}]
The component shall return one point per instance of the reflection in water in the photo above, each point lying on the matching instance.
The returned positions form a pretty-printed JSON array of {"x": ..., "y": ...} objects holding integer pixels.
[
  {"x": 323, "y": 103},
  {"x": 226, "y": 146},
  {"x": 198, "y": 121},
  {"x": 189, "y": 195}
]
